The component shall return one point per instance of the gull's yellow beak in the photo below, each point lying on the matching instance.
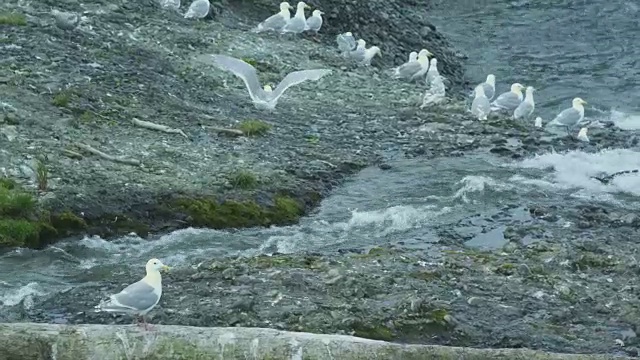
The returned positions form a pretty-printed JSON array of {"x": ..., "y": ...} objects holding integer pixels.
[
  {"x": 429, "y": 53},
  {"x": 307, "y": 6},
  {"x": 165, "y": 268},
  {"x": 584, "y": 102}
]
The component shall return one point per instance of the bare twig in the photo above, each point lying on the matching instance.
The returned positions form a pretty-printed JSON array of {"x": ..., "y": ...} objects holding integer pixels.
[
  {"x": 93, "y": 151},
  {"x": 157, "y": 127},
  {"x": 228, "y": 131},
  {"x": 72, "y": 154}
]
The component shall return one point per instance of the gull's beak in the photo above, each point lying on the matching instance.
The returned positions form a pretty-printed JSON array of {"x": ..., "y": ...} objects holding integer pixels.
[
  {"x": 165, "y": 268},
  {"x": 430, "y": 53},
  {"x": 291, "y": 7},
  {"x": 307, "y": 6},
  {"x": 584, "y": 102}
]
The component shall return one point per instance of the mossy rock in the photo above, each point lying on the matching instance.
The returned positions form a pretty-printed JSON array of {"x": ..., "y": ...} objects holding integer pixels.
[
  {"x": 19, "y": 232},
  {"x": 13, "y": 19},
  {"x": 67, "y": 223},
  {"x": 210, "y": 213},
  {"x": 371, "y": 331},
  {"x": 14, "y": 202}
]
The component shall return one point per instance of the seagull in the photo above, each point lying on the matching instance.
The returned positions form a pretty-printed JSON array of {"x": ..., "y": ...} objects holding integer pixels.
[
  {"x": 170, "y": 4},
  {"x": 314, "y": 22},
  {"x": 275, "y": 22},
  {"x": 412, "y": 67},
  {"x": 489, "y": 86},
  {"x": 65, "y": 20},
  {"x": 424, "y": 64},
  {"x": 265, "y": 97},
  {"x": 432, "y": 73},
  {"x": 346, "y": 43},
  {"x": 435, "y": 93},
  {"x": 140, "y": 297},
  {"x": 480, "y": 106},
  {"x": 369, "y": 54},
  {"x": 571, "y": 116},
  {"x": 298, "y": 22},
  {"x": 508, "y": 100},
  {"x": 525, "y": 109},
  {"x": 198, "y": 9}
]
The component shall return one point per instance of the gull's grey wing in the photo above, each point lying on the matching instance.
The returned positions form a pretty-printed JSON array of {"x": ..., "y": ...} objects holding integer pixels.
[
  {"x": 296, "y": 77},
  {"x": 508, "y": 101},
  {"x": 568, "y": 117},
  {"x": 344, "y": 45},
  {"x": 351, "y": 41},
  {"x": 489, "y": 91},
  {"x": 408, "y": 69},
  {"x": 138, "y": 296},
  {"x": 295, "y": 25},
  {"x": 480, "y": 107},
  {"x": 524, "y": 110},
  {"x": 242, "y": 70},
  {"x": 274, "y": 22},
  {"x": 314, "y": 23}
]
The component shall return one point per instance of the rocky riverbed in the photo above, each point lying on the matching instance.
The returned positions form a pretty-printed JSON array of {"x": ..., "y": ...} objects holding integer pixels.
[{"x": 63, "y": 91}]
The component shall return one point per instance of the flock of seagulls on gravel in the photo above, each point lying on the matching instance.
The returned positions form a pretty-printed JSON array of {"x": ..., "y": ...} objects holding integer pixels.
[
  {"x": 418, "y": 67},
  {"x": 522, "y": 107}
]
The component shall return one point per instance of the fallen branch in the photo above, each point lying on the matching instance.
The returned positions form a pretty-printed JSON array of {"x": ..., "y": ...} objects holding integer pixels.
[
  {"x": 72, "y": 154},
  {"x": 153, "y": 126},
  {"x": 228, "y": 131},
  {"x": 105, "y": 156}
]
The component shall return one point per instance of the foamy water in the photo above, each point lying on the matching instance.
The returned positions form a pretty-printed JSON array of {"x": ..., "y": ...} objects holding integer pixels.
[{"x": 407, "y": 204}]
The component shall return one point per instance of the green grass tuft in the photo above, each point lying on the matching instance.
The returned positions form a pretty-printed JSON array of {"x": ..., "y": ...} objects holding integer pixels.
[
  {"x": 13, "y": 19},
  {"x": 61, "y": 99},
  {"x": 243, "y": 180},
  {"x": 252, "y": 127}
]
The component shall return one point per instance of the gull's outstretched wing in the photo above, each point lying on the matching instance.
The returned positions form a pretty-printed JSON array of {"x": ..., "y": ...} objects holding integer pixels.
[
  {"x": 296, "y": 77},
  {"x": 242, "y": 70}
]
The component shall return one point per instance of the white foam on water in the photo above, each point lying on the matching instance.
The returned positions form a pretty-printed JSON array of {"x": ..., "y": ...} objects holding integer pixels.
[
  {"x": 575, "y": 169},
  {"x": 26, "y": 292},
  {"x": 477, "y": 184},
  {"x": 625, "y": 121}
]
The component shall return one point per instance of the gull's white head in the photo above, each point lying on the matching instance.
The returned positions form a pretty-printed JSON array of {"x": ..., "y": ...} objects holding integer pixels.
[
  {"x": 491, "y": 80},
  {"x": 517, "y": 88},
  {"x": 155, "y": 265},
  {"x": 348, "y": 33},
  {"x": 374, "y": 50},
  {"x": 361, "y": 43},
  {"x": 285, "y": 6},
  {"x": 267, "y": 88},
  {"x": 316, "y": 13},
  {"x": 577, "y": 103},
  {"x": 424, "y": 52},
  {"x": 479, "y": 91},
  {"x": 413, "y": 56},
  {"x": 433, "y": 63},
  {"x": 302, "y": 6},
  {"x": 529, "y": 91}
]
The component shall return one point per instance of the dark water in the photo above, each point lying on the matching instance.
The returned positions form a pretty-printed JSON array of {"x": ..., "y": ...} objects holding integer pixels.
[{"x": 563, "y": 48}]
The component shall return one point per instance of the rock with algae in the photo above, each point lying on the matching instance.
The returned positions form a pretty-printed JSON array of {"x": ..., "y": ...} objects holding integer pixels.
[{"x": 108, "y": 342}]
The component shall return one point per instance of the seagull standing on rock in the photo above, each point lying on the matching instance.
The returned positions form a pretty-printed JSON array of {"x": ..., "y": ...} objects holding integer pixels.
[
  {"x": 571, "y": 116},
  {"x": 480, "y": 106},
  {"x": 509, "y": 100},
  {"x": 65, "y": 20},
  {"x": 198, "y": 9},
  {"x": 433, "y": 72},
  {"x": 276, "y": 22},
  {"x": 298, "y": 22},
  {"x": 489, "y": 86},
  {"x": 314, "y": 22},
  {"x": 525, "y": 109}
]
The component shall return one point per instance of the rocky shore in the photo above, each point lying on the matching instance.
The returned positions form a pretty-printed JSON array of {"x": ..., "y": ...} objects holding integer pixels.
[{"x": 66, "y": 94}]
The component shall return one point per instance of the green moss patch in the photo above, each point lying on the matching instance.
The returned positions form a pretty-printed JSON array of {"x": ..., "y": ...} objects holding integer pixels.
[
  {"x": 243, "y": 180},
  {"x": 252, "y": 127},
  {"x": 239, "y": 214},
  {"x": 13, "y": 19}
]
